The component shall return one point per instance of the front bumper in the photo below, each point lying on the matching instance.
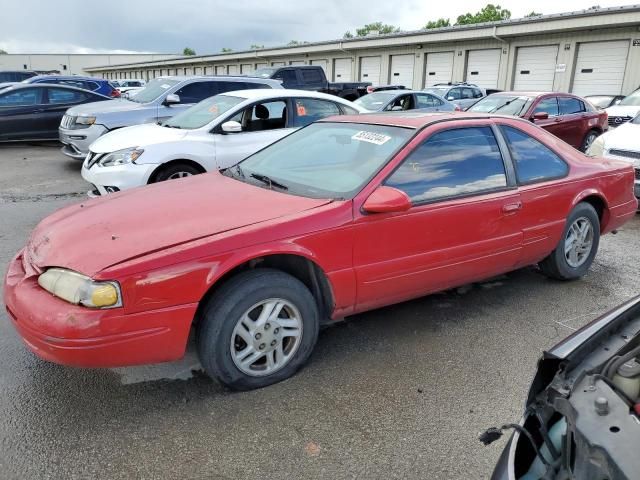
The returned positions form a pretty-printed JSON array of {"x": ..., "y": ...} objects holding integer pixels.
[
  {"x": 77, "y": 141},
  {"x": 68, "y": 334},
  {"x": 122, "y": 177}
]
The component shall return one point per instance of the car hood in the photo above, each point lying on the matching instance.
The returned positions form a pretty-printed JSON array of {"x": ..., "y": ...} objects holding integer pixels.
[
  {"x": 625, "y": 137},
  {"x": 623, "y": 111},
  {"x": 101, "y": 108},
  {"x": 103, "y": 232},
  {"x": 136, "y": 136}
]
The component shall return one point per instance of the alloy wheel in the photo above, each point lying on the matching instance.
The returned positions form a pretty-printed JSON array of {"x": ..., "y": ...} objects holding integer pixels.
[{"x": 578, "y": 242}]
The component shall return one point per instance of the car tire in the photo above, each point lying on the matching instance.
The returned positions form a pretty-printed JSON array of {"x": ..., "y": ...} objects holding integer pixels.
[
  {"x": 578, "y": 246},
  {"x": 236, "y": 327},
  {"x": 589, "y": 138},
  {"x": 175, "y": 170}
]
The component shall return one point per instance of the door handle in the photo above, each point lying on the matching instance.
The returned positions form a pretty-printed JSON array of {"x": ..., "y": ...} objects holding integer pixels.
[{"x": 511, "y": 208}]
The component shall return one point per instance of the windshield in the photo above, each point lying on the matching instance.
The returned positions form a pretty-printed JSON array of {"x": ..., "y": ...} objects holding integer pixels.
[
  {"x": 204, "y": 112},
  {"x": 264, "y": 72},
  {"x": 154, "y": 89},
  {"x": 375, "y": 101},
  {"x": 503, "y": 104},
  {"x": 324, "y": 160},
  {"x": 442, "y": 91},
  {"x": 600, "y": 101},
  {"x": 632, "y": 100}
]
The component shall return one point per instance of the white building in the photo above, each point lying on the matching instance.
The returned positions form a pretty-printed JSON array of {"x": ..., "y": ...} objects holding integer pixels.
[
  {"x": 72, "y": 64},
  {"x": 595, "y": 51}
]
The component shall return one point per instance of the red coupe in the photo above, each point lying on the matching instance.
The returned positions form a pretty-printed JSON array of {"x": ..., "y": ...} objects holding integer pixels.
[
  {"x": 343, "y": 216},
  {"x": 567, "y": 116}
]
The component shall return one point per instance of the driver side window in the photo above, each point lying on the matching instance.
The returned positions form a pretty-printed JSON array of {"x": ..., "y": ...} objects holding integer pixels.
[{"x": 263, "y": 116}]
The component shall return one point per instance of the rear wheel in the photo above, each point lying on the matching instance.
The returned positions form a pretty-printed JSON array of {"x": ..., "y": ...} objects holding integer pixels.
[
  {"x": 588, "y": 140},
  {"x": 258, "y": 329},
  {"x": 176, "y": 170},
  {"x": 578, "y": 247}
]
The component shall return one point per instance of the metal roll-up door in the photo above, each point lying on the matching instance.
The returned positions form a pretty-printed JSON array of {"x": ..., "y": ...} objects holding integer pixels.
[
  {"x": 439, "y": 68},
  {"x": 320, "y": 63},
  {"x": 221, "y": 70},
  {"x": 402, "y": 70},
  {"x": 600, "y": 68},
  {"x": 342, "y": 70},
  {"x": 535, "y": 68},
  {"x": 232, "y": 69},
  {"x": 278, "y": 64},
  {"x": 483, "y": 67},
  {"x": 246, "y": 68},
  {"x": 370, "y": 70}
]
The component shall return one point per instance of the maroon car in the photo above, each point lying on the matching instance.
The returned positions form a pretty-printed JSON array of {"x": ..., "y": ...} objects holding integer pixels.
[{"x": 567, "y": 116}]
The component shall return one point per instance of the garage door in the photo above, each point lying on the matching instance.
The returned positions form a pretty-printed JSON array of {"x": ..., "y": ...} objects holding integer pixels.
[
  {"x": 535, "y": 68},
  {"x": 483, "y": 67},
  {"x": 342, "y": 70},
  {"x": 370, "y": 70},
  {"x": 320, "y": 63},
  {"x": 600, "y": 68},
  {"x": 198, "y": 70},
  {"x": 221, "y": 70},
  {"x": 439, "y": 68},
  {"x": 402, "y": 70},
  {"x": 246, "y": 68},
  {"x": 261, "y": 65},
  {"x": 278, "y": 64},
  {"x": 296, "y": 62},
  {"x": 233, "y": 70}
]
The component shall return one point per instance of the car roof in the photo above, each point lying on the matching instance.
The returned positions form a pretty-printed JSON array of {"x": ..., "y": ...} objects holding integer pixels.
[
  {"x": 21, "y": 86},
  {"x": 262, "y": 93},
  {"x": 414, "y": 119},
  {"x": 234, "y": 78},
  {"x": 66, "y": 77}
]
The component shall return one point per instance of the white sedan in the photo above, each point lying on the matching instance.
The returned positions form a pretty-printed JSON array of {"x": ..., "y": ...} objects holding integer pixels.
[
  {"x": 213, "y": 134},
  {"x": 622, "y": 143}
]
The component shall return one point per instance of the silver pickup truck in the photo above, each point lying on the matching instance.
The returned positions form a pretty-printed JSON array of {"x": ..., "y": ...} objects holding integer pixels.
[{"x": 161, "y": 99}]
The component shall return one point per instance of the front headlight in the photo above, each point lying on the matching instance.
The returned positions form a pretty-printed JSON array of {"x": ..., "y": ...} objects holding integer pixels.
[
  {"x": 80, "y": 289},
  {"x": 597, "y": 148},
  {"x": 121, "y": 157},
  {"x": 85, "y": 120}
]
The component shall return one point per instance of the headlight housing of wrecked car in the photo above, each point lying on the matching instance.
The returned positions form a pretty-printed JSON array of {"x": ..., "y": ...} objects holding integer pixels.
[
  {"x": 121, "y": 157},
  {"x": 79, "y": 289},
  {"x": 597, "y": 148}
]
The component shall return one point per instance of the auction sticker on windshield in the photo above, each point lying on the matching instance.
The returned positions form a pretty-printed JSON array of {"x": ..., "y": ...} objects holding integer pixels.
[{"x": 371, "y": 137}]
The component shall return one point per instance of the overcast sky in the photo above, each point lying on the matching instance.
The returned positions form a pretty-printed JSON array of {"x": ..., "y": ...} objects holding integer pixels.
[{"x": 78, "y": 26}]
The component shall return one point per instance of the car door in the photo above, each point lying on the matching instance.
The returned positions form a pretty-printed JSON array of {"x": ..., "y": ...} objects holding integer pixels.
[
  {"x": 427, "y": 102},
  {"x": 553, "y": 123},
  {"x": 463, "y": 225},
  {"x": 575, "y": 120},
  {"x": 57, "y": 102},
  {"x": 21, "y": 114},
  {"x": 262, "y": 124}
]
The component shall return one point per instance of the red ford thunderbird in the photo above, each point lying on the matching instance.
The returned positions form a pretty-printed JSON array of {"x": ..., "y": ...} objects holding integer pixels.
[{"x": 343, "y": 216}]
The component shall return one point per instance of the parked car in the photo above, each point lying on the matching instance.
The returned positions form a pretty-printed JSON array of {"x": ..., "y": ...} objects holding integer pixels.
[
  {"x": 96, "y": 85},
  {"x": 622, "y": 143},
  {"x": 382, "y": 88},
  {"x": 625, "y": 110},
  {"x": 15, "y": 75},
  {"x": 604, "y": 101},
  {"x": 325, "y": 223},
  {"x": 127, "y": 85},
  {"x": 567, "y": 116},
  {"x": 462, "y": 94},
  {"x": 581, "y": 414},
  {"x": 216, "y": 133},
  {"x": 399, "y": 100},
  {"x": 312, "y": 77},
  {"x": 160, "y": 99},
  {"x": 33, "y": 112}
]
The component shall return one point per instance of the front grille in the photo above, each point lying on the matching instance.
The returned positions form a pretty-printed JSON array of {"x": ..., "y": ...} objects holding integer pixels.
[
  {"x": 68, "y": 121},
  {"x": 615, "y": 121},
  {"x": 624, "y": 153}
]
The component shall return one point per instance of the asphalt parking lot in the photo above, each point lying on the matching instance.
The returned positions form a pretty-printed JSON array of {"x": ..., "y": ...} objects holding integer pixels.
[{"x": 400, "y": 392}]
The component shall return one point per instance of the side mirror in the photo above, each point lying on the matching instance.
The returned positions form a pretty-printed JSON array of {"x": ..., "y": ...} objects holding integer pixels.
[
  {"x": 172, "y": 99},
  {"x": 451, "y": 99},
  {"x": 616, "y": 102},
  {"x": 387, "y": 200},
  {"x": 231, "y": 127},
  {"x": 540, "y": 116}
]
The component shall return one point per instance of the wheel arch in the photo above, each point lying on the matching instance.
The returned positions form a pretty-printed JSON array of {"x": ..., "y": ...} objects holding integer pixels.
[
  {"x": 598, "y": 202},
  {"x": 162, "y": 166},
  {"x": 297, "y": 264}
]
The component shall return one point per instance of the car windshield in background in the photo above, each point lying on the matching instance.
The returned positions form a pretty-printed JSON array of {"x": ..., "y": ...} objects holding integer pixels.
[
  {"x": 265, "y": 72},
  {"x": 154, "y": 89},
  {"x": 115, "y": 83},
  {"x": 632, "y": 100},
  {"x": 636, "y": 120},
  {"x": 502, "y": 104},
  {"x": 600, "y": 101},
  {"x": 375, "y": 101},
  {"x": 441, "y": 92},
  {"x": 204, "y": 112},
  {"x": 324, "y": 160}
]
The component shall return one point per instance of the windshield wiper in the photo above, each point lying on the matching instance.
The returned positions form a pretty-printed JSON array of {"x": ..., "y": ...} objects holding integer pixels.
[
  {"x": 269, "y": 181},
  {"x": 170, "y": 126}
]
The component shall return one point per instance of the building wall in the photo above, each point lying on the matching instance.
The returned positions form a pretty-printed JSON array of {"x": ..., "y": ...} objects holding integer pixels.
[{"x": 75, "y": 63}]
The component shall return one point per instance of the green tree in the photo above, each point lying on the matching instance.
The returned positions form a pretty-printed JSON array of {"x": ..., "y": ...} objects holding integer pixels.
[
  {"x": 256, "y": 47},
  {"x": 293, "y": 43},
  {"x": 226, "y": 50},
  {"x": 532, "y": 14},
  {"x": 188, "y": 51},
  {"x": 490, "y": 13},
  {"x": 441, "y": 22},
  {"x": 379, "y": 27},
  {"x": 3, "y": 52}
]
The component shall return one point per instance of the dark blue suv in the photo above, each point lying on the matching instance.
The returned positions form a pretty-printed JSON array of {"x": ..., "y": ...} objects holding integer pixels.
[{"x": 96, "y": 85}]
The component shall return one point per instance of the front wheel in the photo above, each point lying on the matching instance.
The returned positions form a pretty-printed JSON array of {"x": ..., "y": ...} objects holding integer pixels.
[
  {"x": 176, "y": 170},
  {"x": 258, "y": 329},
  {"x": 578, "y": 247}
]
